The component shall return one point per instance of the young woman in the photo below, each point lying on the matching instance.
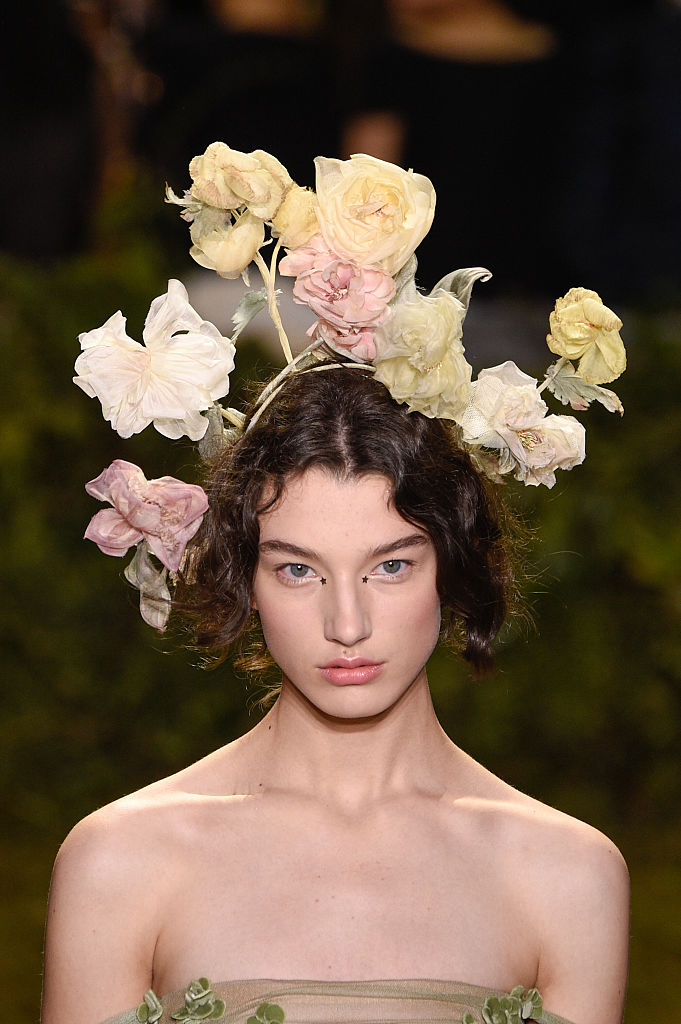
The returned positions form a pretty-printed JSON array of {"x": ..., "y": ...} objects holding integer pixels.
[
  {"x": 345, "y": 838},
  {"x": 344, "y": 861}
]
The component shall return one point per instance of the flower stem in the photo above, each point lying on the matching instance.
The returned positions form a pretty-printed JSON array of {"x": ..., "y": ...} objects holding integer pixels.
[
  {"x": 552, "y": 372},
  {"x": 267, "y": 395},
  {"x": 268, "y": 275}
]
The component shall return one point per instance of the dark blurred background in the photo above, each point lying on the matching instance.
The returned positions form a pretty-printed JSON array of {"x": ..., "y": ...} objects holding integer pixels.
[{"x": 552, "y": 134}]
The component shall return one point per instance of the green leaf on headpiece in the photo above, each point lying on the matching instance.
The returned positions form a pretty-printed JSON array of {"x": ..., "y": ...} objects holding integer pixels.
[
  {"x": 251, "y": 303},
  {"x": 406, "y": 276},
  {"x": 216, "y": 437},
  {"x": 460, "y": 282},
  {"x": 151, "y": 583},
  {"x": 571, "y": 389}
]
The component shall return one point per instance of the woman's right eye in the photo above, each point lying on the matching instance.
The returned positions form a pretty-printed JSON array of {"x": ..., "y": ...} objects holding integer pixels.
[{"x": 295, "y": 572}]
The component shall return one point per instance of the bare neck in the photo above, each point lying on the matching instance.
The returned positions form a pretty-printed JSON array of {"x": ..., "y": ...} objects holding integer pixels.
[{"x": 352, "y": 762}]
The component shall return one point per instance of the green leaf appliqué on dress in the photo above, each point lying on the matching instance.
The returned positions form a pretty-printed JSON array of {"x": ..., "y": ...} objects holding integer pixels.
[
  {"x": 200, "y": 1003},
  {"x": 267, "y": 1013},
  {"x": 150, "y": 1011},
  {"x": 515, "y": 1008}
]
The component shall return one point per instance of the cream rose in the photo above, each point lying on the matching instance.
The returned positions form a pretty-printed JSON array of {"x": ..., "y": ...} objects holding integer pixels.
[
  {"x": 419, "y": 354},
  {"x": 372, "y": 212},
  {"x": 227, "y": 179},
  {"x": 296, "y": 219},
  {"x": 224, "y": 247},
  {"x": 583, "y": 328}
]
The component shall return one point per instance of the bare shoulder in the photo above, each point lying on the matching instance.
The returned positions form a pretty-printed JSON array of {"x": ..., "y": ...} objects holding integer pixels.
[
  {"x": 582, "y": 914},
  {"x": 554, "y": 843},
  {"x": 575, "y": 885},
  {"x": 565, "y": 866},
  {"x": 114, "y": 878},
  {"x": 127, "y": 843},
  {"x": 114, "y": 847},
  {"x": 566, "y": 886},
  {"x": 544, "y": 843}
]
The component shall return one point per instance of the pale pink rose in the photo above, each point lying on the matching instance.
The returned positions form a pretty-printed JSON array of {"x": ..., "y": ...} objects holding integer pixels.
[
  {"x": 167, "y": 512},
  {"x": 340, "y": 293},
  {"x": 558, "y": 442},
  {"x": 356, "y": 341},
  {"x": 506, "y": 412}
]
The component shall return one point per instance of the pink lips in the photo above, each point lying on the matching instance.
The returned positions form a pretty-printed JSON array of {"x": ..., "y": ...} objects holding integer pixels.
[{"x": 351, "y": 671}]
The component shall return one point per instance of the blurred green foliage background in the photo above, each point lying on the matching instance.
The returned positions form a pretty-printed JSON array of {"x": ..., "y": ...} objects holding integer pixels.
[{"x": 584, "y": 713}]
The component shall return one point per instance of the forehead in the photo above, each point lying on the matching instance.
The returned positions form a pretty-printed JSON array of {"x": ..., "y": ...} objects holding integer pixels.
[{"x": 318, "y": 510}]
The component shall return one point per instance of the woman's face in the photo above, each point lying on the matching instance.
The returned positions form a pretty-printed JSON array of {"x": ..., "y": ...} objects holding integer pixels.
[{"x": 346, "y": 592}]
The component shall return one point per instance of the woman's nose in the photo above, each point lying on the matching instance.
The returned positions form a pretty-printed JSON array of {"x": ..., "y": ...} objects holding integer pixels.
[{"x": 346, "y": 612}]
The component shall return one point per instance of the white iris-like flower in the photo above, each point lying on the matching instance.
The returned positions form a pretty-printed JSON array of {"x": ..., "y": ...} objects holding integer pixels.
[{"x": 181, "y": 369}]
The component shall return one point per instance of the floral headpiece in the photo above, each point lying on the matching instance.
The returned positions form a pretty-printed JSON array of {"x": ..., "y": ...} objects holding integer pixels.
[{"x": 350, "y": 247}]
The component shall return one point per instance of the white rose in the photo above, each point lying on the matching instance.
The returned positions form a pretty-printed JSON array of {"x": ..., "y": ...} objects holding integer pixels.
[
  {"x": 372, "y": 212},
  {"x": 503, "y": 400},
  {"x": 419, "y": 354},
  {"x": 583, "y": 328}
]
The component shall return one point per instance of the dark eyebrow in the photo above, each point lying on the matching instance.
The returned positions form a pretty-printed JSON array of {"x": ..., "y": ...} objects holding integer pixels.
[
  {"x": 285, "y": 547},
  {"x": 411, "y": 540}
]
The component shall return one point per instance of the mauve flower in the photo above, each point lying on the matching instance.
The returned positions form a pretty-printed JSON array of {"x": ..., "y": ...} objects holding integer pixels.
[
  {"x": 166, "y": 512},
  {"x": 372, "y": 212},
  {"x": 340, "y": 293},
  {"x": 583, "y": 328},
  {"x": 182, "y": 368},
  {"x": 506, "y": 412}
]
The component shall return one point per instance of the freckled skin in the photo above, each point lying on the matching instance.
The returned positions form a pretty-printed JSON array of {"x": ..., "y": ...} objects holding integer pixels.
[{"x": 345, "y": 836}]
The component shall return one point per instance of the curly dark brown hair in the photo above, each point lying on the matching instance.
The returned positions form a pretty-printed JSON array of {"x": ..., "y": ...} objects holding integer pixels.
[{"x": 344, "y": 421}]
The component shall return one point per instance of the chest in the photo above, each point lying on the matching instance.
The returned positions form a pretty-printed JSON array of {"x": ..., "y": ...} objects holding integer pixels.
[{"x": 398, "y": 897}]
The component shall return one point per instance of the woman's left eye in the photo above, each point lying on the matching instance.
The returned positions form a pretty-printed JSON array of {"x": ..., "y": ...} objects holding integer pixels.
[{"x": 394, "y": 567}]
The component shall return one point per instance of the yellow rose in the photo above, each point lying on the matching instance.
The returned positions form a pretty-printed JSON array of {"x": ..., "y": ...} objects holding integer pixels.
[
  {"x": 372, "y": 212},
  {"x": 420, "y": 357},
  {"x": 226, "y": 248},
  {"x": 227, "y": 179},
  {"x": 583, "y": 328},
  {"x": 296, "y": 219}
]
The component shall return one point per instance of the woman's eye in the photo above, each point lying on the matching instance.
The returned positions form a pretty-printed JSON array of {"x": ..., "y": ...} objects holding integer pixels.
[
  {"x": 295, "y": 571},
  {"x": 393, "y": 567}
]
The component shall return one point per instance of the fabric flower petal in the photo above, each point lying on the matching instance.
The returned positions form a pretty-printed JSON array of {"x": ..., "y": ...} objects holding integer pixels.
[
  {"x": 180, "y": 371},
  {"x": 373, "y": 212},
  {"x": 229, "y": 250},
  {"x": 582, "y": 327},
  {"x": 165, "y": 512},
  {"x": 112, "y": 533}
]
